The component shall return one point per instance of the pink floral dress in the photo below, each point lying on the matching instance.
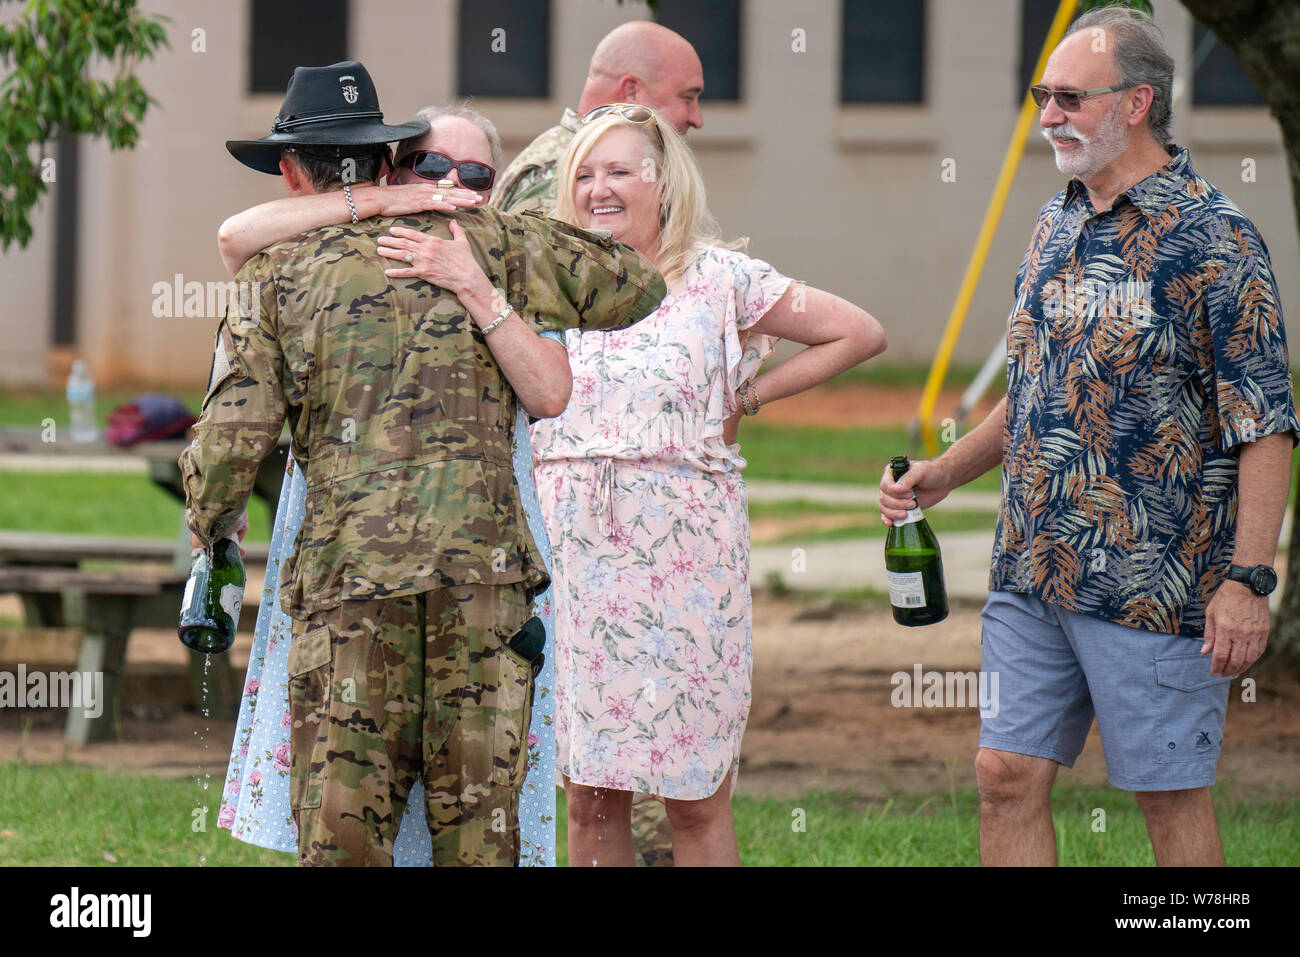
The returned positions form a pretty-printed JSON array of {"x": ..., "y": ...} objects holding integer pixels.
[{"x": 648, "y": 522}]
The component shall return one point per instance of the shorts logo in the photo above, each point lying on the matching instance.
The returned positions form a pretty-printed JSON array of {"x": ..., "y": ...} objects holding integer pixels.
[
  {"x": 349, "y": 92},
  {"x": 1203, "y": 739}
]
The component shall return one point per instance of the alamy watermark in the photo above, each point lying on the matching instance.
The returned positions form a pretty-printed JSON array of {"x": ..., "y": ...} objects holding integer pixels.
[
  {"x": 55, "y": 689},
  {"x": 75, "y": 909},
  {"x": 212, "y": 299},
  {"x": 945, "y": 689}
]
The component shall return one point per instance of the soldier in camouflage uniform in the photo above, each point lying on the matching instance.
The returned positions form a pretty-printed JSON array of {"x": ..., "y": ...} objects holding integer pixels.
[
  {"x": 414, "y": 570},
  {"x": 529, "y": 181},
  {"x": 636, "y": 62}
]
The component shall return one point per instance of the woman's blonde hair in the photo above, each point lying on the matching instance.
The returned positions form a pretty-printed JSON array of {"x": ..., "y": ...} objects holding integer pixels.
[{"x": 684, "y": 217}]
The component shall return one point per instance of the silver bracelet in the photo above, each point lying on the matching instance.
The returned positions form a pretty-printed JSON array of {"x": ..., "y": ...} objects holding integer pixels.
[
  {"x": 498, "y": 320},
  {"x": 347, "y": 194}
]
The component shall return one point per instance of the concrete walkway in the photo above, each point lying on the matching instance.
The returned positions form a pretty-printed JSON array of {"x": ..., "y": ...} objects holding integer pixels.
[
  {"x": 851, "y": 565},
  {"x": 123, "y": 464}
]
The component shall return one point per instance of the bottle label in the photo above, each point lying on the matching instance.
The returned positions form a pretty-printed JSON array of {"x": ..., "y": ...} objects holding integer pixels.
[
  {"x": 913, "y": 515},
  {"x": 232, "y": 597},
  {"x": 906, "y": 590}
]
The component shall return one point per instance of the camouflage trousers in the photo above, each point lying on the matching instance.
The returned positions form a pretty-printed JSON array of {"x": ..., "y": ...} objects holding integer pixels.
[
  {"x": 383, "y": 690},
  {"x": 652, "y": 837}
]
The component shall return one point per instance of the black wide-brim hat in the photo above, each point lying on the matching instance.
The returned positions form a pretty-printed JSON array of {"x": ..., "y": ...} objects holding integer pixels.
[{"x": 332, "y": 105}]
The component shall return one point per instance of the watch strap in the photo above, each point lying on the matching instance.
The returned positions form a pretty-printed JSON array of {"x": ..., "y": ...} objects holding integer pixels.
[{"x": 1245, "y": 574}]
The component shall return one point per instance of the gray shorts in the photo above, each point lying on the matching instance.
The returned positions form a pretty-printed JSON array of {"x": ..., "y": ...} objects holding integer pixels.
[{"x": 1159, "y": 709}]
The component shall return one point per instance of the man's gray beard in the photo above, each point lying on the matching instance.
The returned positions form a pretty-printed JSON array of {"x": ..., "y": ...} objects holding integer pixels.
[{"x": 1107, "y": 143}]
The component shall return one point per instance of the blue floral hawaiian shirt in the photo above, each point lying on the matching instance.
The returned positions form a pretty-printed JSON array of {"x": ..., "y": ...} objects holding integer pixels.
[{"x": 1146, "y": 344}]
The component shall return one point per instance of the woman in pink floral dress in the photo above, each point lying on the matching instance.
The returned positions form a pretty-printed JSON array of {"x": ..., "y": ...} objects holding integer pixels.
[{"x": 640, "y": 488}]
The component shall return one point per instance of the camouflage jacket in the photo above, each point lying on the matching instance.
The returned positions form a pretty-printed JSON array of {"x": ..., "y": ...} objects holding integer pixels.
[
  {"x": 399, "y": 416},
  {"x": 529, "y": 182}
]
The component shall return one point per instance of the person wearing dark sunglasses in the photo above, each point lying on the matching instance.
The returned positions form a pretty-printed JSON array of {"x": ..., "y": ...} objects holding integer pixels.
[
  {"x": 460, "y": 147},
  {"x": 454, "y": 131},
  {"x": 435, "y": 167},
  {"x": 1145, "y": 440}
]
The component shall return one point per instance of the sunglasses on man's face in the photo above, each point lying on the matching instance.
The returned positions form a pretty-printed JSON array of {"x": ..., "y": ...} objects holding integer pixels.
[
  {"x": 1070, "y": 101},
  {"x": 428, "y": 164}
]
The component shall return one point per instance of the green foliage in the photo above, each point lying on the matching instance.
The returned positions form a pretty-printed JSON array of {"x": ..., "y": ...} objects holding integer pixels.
[{"x": 49, "y": 53}]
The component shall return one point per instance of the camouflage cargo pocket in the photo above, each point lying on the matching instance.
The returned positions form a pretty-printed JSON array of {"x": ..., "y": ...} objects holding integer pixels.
[
  {"x": 515, "y": 686},
  {"x": 309, "y": 693}
]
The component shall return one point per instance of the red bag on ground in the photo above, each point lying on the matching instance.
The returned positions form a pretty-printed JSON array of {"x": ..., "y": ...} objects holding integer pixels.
[{"x": 148, "y": 418}]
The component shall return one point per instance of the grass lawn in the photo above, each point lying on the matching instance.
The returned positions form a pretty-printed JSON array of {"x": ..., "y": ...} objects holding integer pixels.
[
  {"x": 851, "y": 456},
  {"x": 123, "y": 506},
  {"x": 30, "y": 407},
  {"x": 867, "y": 525},
  {"x": 68, "y": 815},
  {"x": 911, "y": 375},
  {"x": 927, "y": 830}
]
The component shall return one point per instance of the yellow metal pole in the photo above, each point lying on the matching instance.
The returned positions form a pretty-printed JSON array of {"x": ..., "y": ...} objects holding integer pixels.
[{"x": 992, "y": 216}]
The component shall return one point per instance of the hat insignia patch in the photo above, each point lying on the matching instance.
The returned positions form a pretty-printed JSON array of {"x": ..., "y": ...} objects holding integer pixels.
[{"x": 350, "y": 93}]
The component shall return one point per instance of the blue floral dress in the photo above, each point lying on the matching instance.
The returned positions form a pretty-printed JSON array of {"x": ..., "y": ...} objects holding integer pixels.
[{"x": 255, "y": 800}]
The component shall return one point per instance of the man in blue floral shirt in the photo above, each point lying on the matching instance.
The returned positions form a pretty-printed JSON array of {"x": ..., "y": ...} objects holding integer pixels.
[{"x": 1145, "y": 441}]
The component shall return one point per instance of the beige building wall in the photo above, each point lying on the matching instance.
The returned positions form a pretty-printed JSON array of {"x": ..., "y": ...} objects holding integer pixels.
[{"x": 851, "y": 199}]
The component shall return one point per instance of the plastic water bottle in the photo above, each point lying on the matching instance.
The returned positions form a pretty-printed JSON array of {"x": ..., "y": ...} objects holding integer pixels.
[{"x": 81, "y": 403}]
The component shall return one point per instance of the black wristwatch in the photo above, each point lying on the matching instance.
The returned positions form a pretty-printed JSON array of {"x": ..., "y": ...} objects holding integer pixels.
[{"x": 1259, "y": 578}]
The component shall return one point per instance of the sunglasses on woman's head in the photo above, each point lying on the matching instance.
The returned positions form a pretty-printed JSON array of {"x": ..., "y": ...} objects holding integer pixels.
[
  {"x": 429, "y": 164},
  {"x": 1070, "y": 101},
  {"x": 632, "y": 112}
]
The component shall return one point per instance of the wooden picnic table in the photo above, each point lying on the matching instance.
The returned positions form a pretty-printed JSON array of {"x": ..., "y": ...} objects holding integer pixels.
[
  {"x": 106, "y": 605},
  {"x": 56, "y": 591}
]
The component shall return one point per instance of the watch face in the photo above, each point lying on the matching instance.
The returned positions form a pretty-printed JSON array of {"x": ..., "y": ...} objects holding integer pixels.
[{"x": 1263, "y": 580}]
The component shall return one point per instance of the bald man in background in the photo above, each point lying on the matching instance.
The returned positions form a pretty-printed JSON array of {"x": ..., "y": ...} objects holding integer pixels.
[{"x": 637, "y": 62}]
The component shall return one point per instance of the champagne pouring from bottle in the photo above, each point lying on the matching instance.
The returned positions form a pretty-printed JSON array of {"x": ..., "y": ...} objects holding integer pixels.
[
  {"x": 214, "y": 595},
  {"x": 914, "y": 564}
]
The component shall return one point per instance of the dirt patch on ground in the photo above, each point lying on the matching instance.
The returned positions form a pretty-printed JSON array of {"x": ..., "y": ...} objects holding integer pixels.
[
  {"x": 822, "y": 714},
  {"x": 763, "y": 531},
  {"x": 823, "y": 717},
  {"x": 863, "y": 406}
]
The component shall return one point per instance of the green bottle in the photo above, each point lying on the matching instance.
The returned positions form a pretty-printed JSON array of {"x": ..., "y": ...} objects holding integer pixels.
[
  {"x": 213, "y": 595},
  {"x": 914, "y": 565}
]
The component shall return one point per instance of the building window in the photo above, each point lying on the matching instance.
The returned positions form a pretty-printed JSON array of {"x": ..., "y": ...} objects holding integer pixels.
[
  {"x": 1035, "y": 20},
  {"x": 713, "y": 28},
  {"x": 883, "y": 55},
  {"x": 290, "y": 33},
  {"x": 1218, "y": 80},
  {"x": 504, "y": 48}
]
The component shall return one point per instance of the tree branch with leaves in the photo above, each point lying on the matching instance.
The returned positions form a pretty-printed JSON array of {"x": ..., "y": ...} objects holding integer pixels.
[{"x": 50, "y": 52}]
